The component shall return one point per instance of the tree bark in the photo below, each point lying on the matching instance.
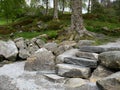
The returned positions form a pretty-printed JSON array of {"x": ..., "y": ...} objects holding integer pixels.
[
  {"x": 47, "y": 7},
  {"x": 93, "y": 5},
  {"x": 76, "y": 17},
  {"x": 55, "y": 16},
  {"x": 88, "y": 9},
  {"x": 63, "y": 8}
]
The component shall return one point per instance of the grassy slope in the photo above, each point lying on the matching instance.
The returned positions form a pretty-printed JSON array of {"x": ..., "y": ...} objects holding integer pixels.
[{"x": 93, "y": 25}]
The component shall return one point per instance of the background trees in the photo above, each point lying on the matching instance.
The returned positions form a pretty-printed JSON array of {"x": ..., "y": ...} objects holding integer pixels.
[
  {"x": 12, "y": 8},
  {"x": 101, "y": 13}
]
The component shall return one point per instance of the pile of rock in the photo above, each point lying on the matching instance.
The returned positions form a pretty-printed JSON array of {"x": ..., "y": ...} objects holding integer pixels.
[{"x": 87, "y": 67}]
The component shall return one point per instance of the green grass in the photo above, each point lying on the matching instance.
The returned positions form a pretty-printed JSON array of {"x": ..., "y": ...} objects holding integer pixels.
[
  {"x": 96, "y": 26},
  {"x": 4, "y": 22},
  {"x": 28, "y": 35}
]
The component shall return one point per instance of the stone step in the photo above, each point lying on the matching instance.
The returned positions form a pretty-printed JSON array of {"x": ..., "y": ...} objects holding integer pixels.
[
  {"x": 98, "y": 49},
  {"x": 87, "y": 55},
  {"x": 92, "y": 49},
  {"x": 72, "y": 71},
  {"x": 81, "y": 62},
  {"x": 54, "y": 78}
]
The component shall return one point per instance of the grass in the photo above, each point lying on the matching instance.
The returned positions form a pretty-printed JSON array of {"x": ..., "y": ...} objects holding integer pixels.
[
  {"x": 4, "y": 22},
  {"x": 28, "y": 35},
  {"x": 31, "y": 29}
]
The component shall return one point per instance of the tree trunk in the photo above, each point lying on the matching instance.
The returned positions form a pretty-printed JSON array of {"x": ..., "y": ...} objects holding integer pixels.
[
  {"x": 76, "y": 18},
  {"x": 93, "y": 5},
  {"x": 63, "y": 8},
  {"x": 55, "y": 16},
  {"x": 47, "y": 7},
  {"x": 88, "y": 9}
]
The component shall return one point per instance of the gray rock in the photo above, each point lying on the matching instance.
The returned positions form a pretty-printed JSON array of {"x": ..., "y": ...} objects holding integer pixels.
[
  {"x": 23, "y": 54},
  {"x": 20, "y": 43},
  {"x": 92, "y": 49},
  {"x": 61, "y": 49},
  {"x": 87, "y": 55},
  {"x": 85, "y": 43},
  {"x": 40, "y": 43},
  {"x": 64, "y": 46},
  {"x": 8, "y": 50},
  {"x": 41, "y": 60},
  {"x": 111, "y": 82},
  {"x": 98, "y": 49},
  {"x": 110, "y": 59},
  {"x": 79, "y": 84},
  {"x": 99, "y": 73},
  {"x": 81, "y": 62},
  {"x": 22, "y": 47},
  {"x": 74, "y": 71},
  {"x": 69, "y": 53},
  {"x": 51, "y": 46},
  {"x": 68, "y": 43},
  {"x": 5, "y": 83},
  {"x": 105, "y": 28},
  {"x": 75, "y": 82},
  {"x": 32, "y": 48},
  {"x": 54, "y": 78}
]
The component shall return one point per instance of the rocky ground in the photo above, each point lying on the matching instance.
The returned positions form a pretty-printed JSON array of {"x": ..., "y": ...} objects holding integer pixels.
[{"x": 70, "y": 65}]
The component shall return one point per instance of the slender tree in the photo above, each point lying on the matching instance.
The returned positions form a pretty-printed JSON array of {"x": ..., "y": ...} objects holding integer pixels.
[
  {"x": 88, "y": 9},
  {"x": 55, "y": 15}
]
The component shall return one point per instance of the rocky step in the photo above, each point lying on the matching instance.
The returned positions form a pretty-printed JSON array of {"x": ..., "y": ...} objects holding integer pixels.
[
  {"x": 111, "y": 82},
  {"x": 79, "y": 84},
  {"x": 54, "y": 78},
  {"x": 81, "y": 62},
  {"x": 98, "y": 49},
  {"x": 87, "y": 55},
  {"x": 73, "y": 71}
]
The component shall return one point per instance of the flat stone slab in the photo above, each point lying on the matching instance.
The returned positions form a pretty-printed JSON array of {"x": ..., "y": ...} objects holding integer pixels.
[
  {"x": 69, "y": 53},
  {"x": 98, "y": 49},
  {"x": 81, "y": 62},
  {"x": 87, "y": 55},
  {"x": 92, "y": 49},
  {"x": 54, "y": 78},
  {"x": 72, "y": 71}
]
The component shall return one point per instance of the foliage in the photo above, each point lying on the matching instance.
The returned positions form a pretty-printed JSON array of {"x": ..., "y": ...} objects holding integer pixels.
[{"x": 12, "y": 9}]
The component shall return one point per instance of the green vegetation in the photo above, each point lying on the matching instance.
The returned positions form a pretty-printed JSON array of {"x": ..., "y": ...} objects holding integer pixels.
[{"x": 30, "y": 21}]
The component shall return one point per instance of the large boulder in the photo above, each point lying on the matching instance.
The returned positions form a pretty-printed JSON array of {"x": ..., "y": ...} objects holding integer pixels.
[
  {"x": 8, "y": 50},
  {"x": 99, "y": 73},
  {"x": 110, "y": 59},
  {"x": 111, "y": 82},
  {"x": 41, "y": 60},
  {"x": 79, "y": 84},
  {"x": 74, "y": 71}
]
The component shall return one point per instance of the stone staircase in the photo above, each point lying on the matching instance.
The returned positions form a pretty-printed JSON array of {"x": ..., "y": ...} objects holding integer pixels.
[{"x": 82, "y": 63}]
